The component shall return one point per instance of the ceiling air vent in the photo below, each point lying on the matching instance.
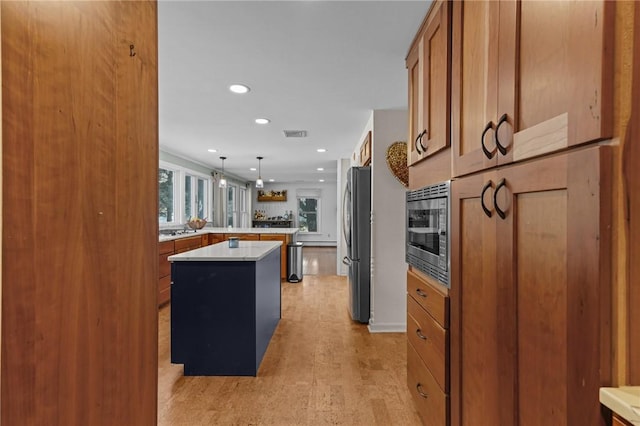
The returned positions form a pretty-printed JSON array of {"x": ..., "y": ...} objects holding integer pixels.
[{"x": 295, "y": 133}]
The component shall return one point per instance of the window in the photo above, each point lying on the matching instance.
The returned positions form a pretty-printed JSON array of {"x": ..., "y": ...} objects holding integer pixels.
[
  {"x": 195, "y": 197},
  {"x": 231, "y": 205},
  {"x": 166, "y": 196},
  {"x": 244, "y": 215},
  {"x": 182, "y": 194},
  {"x": 308, "y": 214}
]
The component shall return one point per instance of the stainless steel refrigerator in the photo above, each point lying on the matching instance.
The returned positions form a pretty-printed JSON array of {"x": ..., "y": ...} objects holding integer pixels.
[{"x": 356, "y": 229}]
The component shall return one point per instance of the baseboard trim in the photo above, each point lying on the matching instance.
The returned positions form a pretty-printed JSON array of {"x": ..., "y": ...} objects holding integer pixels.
[
  {"x": 317, "y": 243},
  {"x": 388, "y": 328}
]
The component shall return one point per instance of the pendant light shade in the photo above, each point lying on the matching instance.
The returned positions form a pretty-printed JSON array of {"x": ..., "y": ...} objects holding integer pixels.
[
  {"x": 259, "y": 182},
  {"x": 223, "y": 182}
]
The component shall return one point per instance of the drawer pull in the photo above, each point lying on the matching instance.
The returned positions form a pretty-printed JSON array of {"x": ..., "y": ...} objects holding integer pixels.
[
  {"x": 422, "y": 394},
  {"x": 421, "y": 293},
  {"x": 420, "y": 335}
]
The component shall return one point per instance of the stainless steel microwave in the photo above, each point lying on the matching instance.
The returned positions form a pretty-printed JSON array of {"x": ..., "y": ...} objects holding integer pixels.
[{"x": 427, "y": 238}]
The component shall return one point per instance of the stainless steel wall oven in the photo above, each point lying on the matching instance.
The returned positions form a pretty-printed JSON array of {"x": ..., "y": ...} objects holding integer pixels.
[{"x": 428, "y": 230}]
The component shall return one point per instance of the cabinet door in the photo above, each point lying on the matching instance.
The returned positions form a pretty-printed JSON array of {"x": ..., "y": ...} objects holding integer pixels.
[
  {"x": 478, "y": 387},
  {"x": 429, "y": 83},
  {"x": 529, "y": 300},
  {"x": 553, "y": 256},
  {"x": 474, "y": 85},
  {"x": 556, "y": 75}
]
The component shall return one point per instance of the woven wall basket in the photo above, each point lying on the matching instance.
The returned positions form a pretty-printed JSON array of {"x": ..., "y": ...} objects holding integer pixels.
[{"x": 397, "y": 161}]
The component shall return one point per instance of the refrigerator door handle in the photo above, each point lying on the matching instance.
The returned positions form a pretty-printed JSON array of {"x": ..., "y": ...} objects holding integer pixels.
[
  {"x": 346, "y": 233},
  {"x": 346, "y": 261}
]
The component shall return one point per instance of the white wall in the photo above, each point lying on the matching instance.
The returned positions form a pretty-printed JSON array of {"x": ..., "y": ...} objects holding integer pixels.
[
  {"x": 388, "y": 267},
  {"x": 328, "y": 209}
]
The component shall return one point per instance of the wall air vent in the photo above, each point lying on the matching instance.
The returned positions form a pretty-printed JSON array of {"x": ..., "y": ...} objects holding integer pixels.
[{"x": 295, "y": 133}]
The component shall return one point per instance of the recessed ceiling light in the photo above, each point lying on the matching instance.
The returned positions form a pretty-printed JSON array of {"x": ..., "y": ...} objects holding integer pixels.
[
  {"x": 272, "y": 180},
  {"x": 320, "y": 169},
  {"x": 239, "y": 88},
  {"x": 212, "y": 150},
  {"x": 321, "y": 180},
  {"x": 263, "y": 120},
  {"x": 253, "y": 169},
  {"x": 321, "y": 150}
]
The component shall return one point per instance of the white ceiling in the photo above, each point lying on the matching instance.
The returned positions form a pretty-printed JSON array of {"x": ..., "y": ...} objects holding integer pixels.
[{"x": 319, "y": 66}]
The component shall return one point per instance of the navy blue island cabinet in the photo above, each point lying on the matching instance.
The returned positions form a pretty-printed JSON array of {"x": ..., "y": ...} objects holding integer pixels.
[{"x": 225, "y": 306}]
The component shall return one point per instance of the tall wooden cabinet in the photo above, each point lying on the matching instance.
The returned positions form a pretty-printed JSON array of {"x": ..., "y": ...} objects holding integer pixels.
[
  {"x": 530, "y": 299},
  {"x": 531, "y": 86},
  {"x": 529, "y": 78},
  {"x": 429, "y": 65},
  {"x": 80, "y": 228}
]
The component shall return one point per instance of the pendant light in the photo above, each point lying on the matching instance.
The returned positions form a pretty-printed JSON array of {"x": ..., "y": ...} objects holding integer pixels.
[
  {"x": 223, "y": 182},
  {"x": 259, "y": 182}
]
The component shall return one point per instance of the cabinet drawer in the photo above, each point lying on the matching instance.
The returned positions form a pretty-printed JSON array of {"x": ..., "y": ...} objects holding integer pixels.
[
  {"x": 430, "y": 340},
  {"x": 165, "y": 247},
  {"x": 429, "y": 297},
  {"x": 164, "y": 266},
  {"x": 189, "y": 243},
  {"x": 431, "y": 402},
  {"x": 215, "y": 238},
  {"x": 250, "y": 237},
  {"x": 164, "y": 290}
]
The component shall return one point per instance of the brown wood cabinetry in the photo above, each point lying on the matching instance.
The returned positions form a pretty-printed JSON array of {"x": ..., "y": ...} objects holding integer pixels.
[
  {"x": 365, "y": 150},
  {"x": 283, "y": 250},
  {"x": 529, "y": 78},
  {"x": 188, "y": 243},
  {"x": 428, "y": 63},
  {"x": 215, "y": 238},
  {"x": 530, "y": 300},
  {"x": 165, "y": 249},
  {"x": 428, "y": 347},
  {"x": 617, "y": 421},
  {"x": 245, "y": 237}
]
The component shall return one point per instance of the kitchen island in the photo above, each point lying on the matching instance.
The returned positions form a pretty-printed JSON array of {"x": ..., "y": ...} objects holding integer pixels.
[
  {"x": 225, "y": 306},
  {"x": 176, "y": 240}
]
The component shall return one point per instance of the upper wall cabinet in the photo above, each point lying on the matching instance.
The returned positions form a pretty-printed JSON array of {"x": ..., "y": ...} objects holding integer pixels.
[
  {"x": 529, "y": 78},
  {"x": 429, "y": 68}
]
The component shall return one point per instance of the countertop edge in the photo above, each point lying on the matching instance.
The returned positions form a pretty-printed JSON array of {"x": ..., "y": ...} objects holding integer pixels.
[
  {"x": 285, "y": 231},
  {"x": 199, "y": 254},
  {"x": 624, "y": 401}
]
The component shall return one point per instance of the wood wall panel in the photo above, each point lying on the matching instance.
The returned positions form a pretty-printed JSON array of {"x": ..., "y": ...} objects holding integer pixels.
[
  {"x": 631, "y": 176},
  {"x": 79, "y": 327}
]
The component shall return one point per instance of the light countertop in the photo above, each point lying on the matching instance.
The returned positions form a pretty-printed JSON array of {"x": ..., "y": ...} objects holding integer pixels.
[
  {"x": 246, "y": 251},
  {"x": 624, "y": 401},
  {"x": 209, "y": 230}
]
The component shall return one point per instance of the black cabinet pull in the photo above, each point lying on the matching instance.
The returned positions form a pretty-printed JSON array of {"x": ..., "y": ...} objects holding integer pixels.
[
  {"x": 416, "y": 144},
  {"x": 500, "y": 212},
  {"x": 486, "y": 186},
  {"x": 424, "y": 132},
  {"x": 422, "y": 394},
  {"x": 421, "y": 293},
  {"x": 487, "y": 153},
  {"x": 501, "y": 148},
  {"x": 420, "y": 335}
]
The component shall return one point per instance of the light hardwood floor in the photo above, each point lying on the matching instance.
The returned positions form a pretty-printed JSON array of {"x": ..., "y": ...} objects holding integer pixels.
[
  {"x": 318, "y": 260},
  {"x": 319, "y": 369}
]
